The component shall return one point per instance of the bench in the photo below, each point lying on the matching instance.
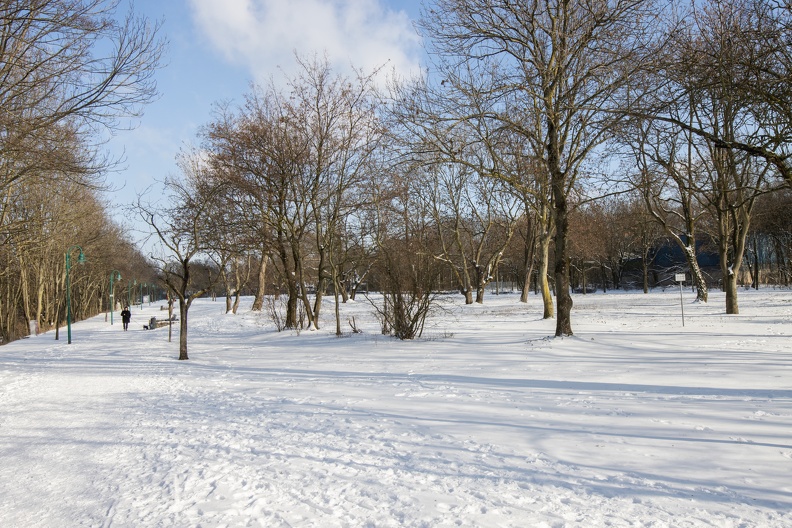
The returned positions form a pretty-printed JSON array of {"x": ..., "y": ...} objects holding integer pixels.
[{"x": 159, "y": 323}]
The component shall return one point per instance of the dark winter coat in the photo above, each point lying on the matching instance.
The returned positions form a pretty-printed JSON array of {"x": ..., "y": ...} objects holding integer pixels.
[{"x": 126, "y": 315}]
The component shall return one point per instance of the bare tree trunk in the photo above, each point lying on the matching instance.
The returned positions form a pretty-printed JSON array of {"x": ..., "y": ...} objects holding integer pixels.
[
  {"x": 235, "y": 307},
  {"x": 731, "y": 242},
  {"x": 558, "y": 182},
  {"x": 544, "y": 270},
  {"x": 344, "y": 293},
  {"x": 530, "y": 240},
  {"x": 357, "y": 283},
  {"x": 24, "y": 284},
  {"x": 468, "y": 295},
  {"x": 40, "y": 301},
  {"x": 170, "y": 317},
  {"x": 756, "y": 276},
  {"x": 528, "y": 265},
  {"x": 258, "y": 301},
  {"x": 183, "y": 308},
  {"x": 321, "y": 284},
  {"x": 482, "y": 277},
  {"x": 730, "y": 287},
  {"x": 291, "y": 304},
  {"x": 336, "y": 288},
  {"x": 734, "y": 243}
]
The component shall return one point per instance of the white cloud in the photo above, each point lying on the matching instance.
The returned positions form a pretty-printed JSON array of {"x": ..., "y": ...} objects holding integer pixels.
[{"x": 263, "y": 35}]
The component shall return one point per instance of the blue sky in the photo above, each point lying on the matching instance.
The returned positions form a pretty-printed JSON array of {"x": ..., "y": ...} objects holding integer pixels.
[{"x": 218, "y": 47}]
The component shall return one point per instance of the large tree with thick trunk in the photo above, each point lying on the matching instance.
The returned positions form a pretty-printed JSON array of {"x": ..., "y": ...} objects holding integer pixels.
[
  {"x": 707, "y": 121},
  {"x": 550, "y": 71}
]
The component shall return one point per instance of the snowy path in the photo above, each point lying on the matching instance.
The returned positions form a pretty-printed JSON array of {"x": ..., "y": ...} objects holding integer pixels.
[{"x": 632, "y": 422}]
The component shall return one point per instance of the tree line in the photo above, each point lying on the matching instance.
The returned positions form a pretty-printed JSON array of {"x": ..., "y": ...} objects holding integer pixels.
[
  {"x": 72, "y": 72},
  {"x": 582, "y": 131},
  {"x": 554, "y": 141}
]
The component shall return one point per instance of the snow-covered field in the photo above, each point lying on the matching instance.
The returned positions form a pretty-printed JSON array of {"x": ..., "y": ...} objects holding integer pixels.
[{"x": 486, "y": 421}]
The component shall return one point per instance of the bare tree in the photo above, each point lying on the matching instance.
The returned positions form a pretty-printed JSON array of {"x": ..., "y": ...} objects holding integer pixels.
[
  {"x": 740, "y": 48},
  {"x": 260, "y": 150},
  {"x": 71, "y": 73},
  {"x": 705, "y": 114},
  {"x": 668, "y": 176},
  {"x": 521, "y": 167},
  {"x": 249, "y": 196},
  {"x": 641, "y": 231},
  {"x": 338, "y": 118},
  {"x": 772, "y": 232},
  {"x": 475, "y": 218},
  {"x": 69, "y": 68},
  {"x": 443, "y": 126},
  {"x": 560, "y": 63},
  {"x": 300, "y": 157},
  {"x": 181, "y": 235},
  {"x": 406, "y": 270},
  {"x": 723, "y": 32},
  {"x": 231, "y": 237}
]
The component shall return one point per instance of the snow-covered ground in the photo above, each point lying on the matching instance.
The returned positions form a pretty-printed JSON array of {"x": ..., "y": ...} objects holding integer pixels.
[{"x": 486, "y": 421}]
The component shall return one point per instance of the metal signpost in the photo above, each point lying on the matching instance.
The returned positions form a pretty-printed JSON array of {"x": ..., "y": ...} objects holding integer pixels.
[
  {"x": 680, "y": 278},
  {"x": 114, "y": 275}
]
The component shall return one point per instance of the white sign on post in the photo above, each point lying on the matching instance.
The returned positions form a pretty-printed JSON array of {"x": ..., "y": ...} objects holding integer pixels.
[{"x": 680, "y": 278}]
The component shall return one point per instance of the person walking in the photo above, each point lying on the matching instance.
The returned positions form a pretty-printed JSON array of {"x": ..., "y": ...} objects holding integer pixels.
[{"x": 126, "y": 316}]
